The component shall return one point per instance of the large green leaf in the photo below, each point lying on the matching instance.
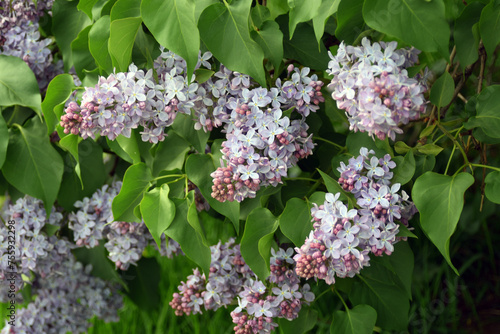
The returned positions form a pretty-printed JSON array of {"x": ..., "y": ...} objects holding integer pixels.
[
  {"x": 172, "y": 23},
  {"x": 136, "y": 182},
  {"x": 130, "y": 146},
  {"x": 327, "y": 9},
  {"x": 58, "y": 91},
  {"x": 359, "y": 320},
  {"x": 419, "y": 23},
  {"x": 18, "y": 85},
  {"x": 301, "y": 11},
  {"x": 84, "y": 171},
  {"x": 488, "y": 112},
  {"x": 492, "y": 188},
  {"x": 442, "y": 90},
  {"x": 350, "y": 21},
  {"x": 464, "y": 36},
  {"x": 86, "y": 6},
  {"x": 190, "y": 241},
  {"x": 170, "y": 153},
  {"x": 198, "y": 169},
  {"x": 489, "y": 26},
  {"x": 405, "y": 168},
  {"x": 440, "y": 200},
  {"x": 224, "y": 30},
  {"x": 125, "y": 8},
  {"x": 184, "y": 127},
  {"x": 81, "y": 55},
  {"x": 334, "y": 187},
  {"x": 98, "y": 43},
  {"x": 256, "y": 241},
  {"x": 380, "y": 288},
  {"x": 4, "y": 140},
  {"x": 295, "y": 221},
  {"x": 270, "y": 39},
  {"x": 158, "y": 211},
  {"x": 303, "y": 47},
  {"x": 32, "y": 165},
  {"x": 121, "y": 41},
  {"x": 356, "y": 140},
  {"x": 143, "y": 283},
  {"x": 302, "y": 324},
  {"x": 67, "y": 22}
]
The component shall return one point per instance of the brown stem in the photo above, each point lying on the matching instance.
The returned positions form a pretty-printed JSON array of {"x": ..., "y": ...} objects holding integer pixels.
[{"x": 482, "y": 57}]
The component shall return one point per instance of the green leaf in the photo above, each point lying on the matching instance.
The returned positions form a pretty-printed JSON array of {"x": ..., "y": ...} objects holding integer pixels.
[
  {"x": 301, "y": 11},
  {"x": 465, "y": 40},
  {"x": 86, "y": 6},
  {"x": 327, "y": 9},
  {"x": 488, "y": 112},
  {"x": 427, "y": 131},
  {"x": 270, "y": 39},
  {"x": 102, "y": 267},
  {"x": 158, "y": 211},
  {"x": 32, "y": 165},
  {"x": 442, "y": 90},
  {"x": 84, "y": 171},
  {"x": 361, "y": 319},
  {"x": 356, "y": 140},
  {"x": 350, "y": 21},
  {"x": 200, "y": 6},
  {"x": 489, "y": 26},
  {"x": 130, "y": 146},
  {"x": 295, "y": 221},
  {"x": 121, "y": 40},
  {"x": 170, "y": 153},
  {"x": 256, "y": 241},
  {"x": 125, "y": 8},
  {"x": 380, "y": 288},
  {"x": 277, "y": 8},
  {"x": 184, "y": 127},
  {"x": 440, "y": 200},
  {"x": 98, "y": 43},
  {"x": 67, "y": 22},
  {"x": 18, "y": 85},
  {"x": 405, "y": 232},
  {"x": 492, "y": 188},
  {"x": 58, "y": 91},
  {"x": 82, "y": 57},
  {"x": 405, "y": 168},
  {"x": 193, "y": 219},
  {"x": 70, "y": 144},
  {"x": 4, "y": 140},
  {"x": 401, "y": 147},
  {"x": 430, "y": 149},
  {"x": 172, "y": 23},
  {"x": 334, "y": 187},
  {"x": 429, "y": 29},
  {"x": 302, "y": 324},
  {"x": 198, "y": 169},
  {"x": 202, "y": 75},
  {"x": 135, "y": 183},
  {"x": 224, "y": 30},
  {"x": 424, "y": 163},
  {"x": 143, "y": 283},
  {"x": 303, "y": 47},
  {"x": 190, "y": 241},
  {"x": 259, "y": 15}
]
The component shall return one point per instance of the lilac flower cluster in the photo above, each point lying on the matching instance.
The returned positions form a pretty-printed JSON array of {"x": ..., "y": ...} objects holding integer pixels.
[
  {"x": 65, "y": 296},
  {"x": 342, "y": 239},
  {"x": 126, "y": 100},
  {"x": 370, "y": 82},
  {"x": 93, "y": 221},
  {"x": 20, "y": 37},
  {"x": 32, "y": 243},
  {"x": 262, "y": 143},
  {"x": 230, "y": 278}
]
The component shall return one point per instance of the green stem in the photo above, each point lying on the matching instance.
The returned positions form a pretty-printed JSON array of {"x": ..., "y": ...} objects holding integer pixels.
[
  {"x": 457, "y": 144},
  {"x": 341, "y": 148},
  {"x": 365, "y": 33},
  {"x": 167, "y": 176},
  {"x": 341, "y": 299},
  {"x": 449, "y": 160},
  {"x": 485, "y": 166},
  {"x": 321, "y": 294}
]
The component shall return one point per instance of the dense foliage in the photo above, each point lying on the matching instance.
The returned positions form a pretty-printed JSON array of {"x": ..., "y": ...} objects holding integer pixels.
[{"x": 291, "y": 165}]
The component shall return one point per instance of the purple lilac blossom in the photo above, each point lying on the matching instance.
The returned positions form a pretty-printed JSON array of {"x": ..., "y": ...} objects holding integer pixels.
[
  {"x": 231, "y": 279},
  {"x": 370, "y": 82},
  {"x": 342, "y": 239}
]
